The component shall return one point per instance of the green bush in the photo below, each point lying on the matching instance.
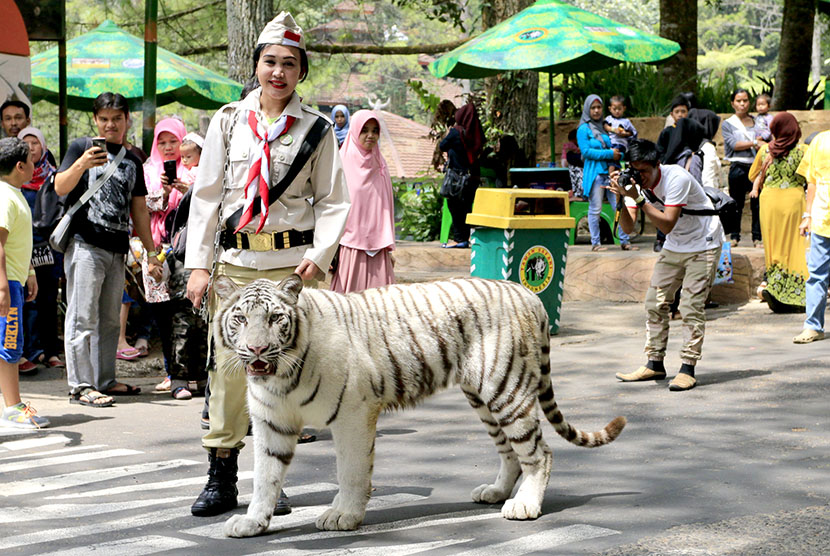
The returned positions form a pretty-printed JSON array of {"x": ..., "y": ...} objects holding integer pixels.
[
  {"x": 418, "y": 209},
  {"x": 646, "y": 90},
  {"x": 641, "y": 83}
]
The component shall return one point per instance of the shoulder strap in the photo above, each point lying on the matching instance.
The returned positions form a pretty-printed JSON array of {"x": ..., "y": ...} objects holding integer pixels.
[
  {"x": 312, "y": 139},
  {"x": 102, "y": 179}
]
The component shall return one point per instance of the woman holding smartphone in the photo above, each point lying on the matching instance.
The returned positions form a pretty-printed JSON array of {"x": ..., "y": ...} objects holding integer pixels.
[
  {"x": 164, "y": 191},
  {"x": 266, "y": 129}
]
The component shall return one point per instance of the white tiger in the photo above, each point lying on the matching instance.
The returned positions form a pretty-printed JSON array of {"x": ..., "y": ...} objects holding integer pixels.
[{"x": 332, "y": 360}]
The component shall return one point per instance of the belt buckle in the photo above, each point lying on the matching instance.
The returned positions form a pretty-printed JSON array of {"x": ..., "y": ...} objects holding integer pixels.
[{"x": 261, "y": 242}]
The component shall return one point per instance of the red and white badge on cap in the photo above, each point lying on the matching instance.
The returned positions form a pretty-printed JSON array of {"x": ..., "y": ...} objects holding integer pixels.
[{"x": 290, "y": 38}]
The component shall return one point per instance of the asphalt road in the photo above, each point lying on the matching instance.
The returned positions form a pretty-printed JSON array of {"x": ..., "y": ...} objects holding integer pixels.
[{"x": 739, "y": 465}]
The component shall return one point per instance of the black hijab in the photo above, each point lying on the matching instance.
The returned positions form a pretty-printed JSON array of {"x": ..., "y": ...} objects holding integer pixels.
[
  {"x": 686, "y": 136},
  {"x": 708, "y": 119}
]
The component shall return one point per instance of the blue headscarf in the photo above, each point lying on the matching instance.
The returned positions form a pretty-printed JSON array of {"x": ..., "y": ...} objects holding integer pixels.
[{"x": 341, "y": 132}]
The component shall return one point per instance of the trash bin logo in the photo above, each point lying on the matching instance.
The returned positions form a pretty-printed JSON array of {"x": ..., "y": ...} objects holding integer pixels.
[{"x": 536, "y": 269}]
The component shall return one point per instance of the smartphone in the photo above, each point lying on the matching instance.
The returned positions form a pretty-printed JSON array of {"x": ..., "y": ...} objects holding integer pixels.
[
  {"x": 100, "y": 142},
  {"x": 170, "y": 171}
]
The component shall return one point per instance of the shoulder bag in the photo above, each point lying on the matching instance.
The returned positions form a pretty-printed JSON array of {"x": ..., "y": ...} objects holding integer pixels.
[
  {"x": 454, "y": 183},
  {"x": 60, "y": 236}
]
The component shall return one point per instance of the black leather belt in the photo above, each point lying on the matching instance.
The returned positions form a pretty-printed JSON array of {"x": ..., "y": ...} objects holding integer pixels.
[{"x": 266, "y": 241}]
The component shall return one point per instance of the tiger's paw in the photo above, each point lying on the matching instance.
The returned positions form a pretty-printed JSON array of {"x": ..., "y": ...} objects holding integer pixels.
[
  {"x": 489, "y": 494},
  {"x": 516, "y": 509},
  {"x": 335, "y": 520},
  {"x": 243, "y": 526}
]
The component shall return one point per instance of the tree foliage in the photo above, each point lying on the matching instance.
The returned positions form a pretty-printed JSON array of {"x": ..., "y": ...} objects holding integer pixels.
[{"x": 728, "y": 58}]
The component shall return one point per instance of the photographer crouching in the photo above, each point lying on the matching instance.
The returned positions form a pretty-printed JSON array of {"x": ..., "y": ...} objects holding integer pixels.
[{"x": 689, "y": 257}]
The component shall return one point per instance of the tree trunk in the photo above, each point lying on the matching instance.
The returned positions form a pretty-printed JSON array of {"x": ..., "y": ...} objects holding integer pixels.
[
  {"x": 512, "y": 97},
  {"x": 246, "y": 19},
  {"x": 815, "y": 60},
  {"x": 678, "y": 22},
  {"x": 792, "y": 77}
]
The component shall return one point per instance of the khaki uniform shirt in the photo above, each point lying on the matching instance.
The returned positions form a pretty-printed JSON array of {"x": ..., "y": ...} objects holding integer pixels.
[{"x": 317, "y": 199}]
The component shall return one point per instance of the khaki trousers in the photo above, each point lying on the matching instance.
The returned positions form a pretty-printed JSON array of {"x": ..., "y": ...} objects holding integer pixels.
[
  {"x": 228, "y": 386},
  {"x": 695, "y": 272}
]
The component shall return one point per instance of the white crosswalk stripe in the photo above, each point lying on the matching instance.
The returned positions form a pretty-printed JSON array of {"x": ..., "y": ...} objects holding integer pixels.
[
  {"x": 50, "y": 453},
  {"x": 69, "y": 511},
  {"x": 62, "y": 460},
  {"x": 14, "y": 445},
  {"x": 136, "y": 546},
  {"x": 52, "y": 506},
  {"x": 85, "y": 477}
]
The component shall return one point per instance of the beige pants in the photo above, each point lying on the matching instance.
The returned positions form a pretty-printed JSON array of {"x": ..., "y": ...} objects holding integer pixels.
[
  {"x": 695, "y": 272},
  {"x": 228, "y": 389}
]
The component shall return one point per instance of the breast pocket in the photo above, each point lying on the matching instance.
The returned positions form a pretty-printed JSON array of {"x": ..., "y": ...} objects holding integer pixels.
[
  {"x": 282, "y": 158},
  {"x": 239, "y": 163}
]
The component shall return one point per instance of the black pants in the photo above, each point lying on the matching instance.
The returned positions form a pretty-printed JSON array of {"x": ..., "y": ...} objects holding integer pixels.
[
  {"x": 459, "y": 209},
  {"x": 163, "y": 316},
  {"x": 739, "y": 186}
]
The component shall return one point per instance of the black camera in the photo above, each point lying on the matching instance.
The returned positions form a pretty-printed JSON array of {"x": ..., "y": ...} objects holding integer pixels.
[{"x": 626, "y": 178}]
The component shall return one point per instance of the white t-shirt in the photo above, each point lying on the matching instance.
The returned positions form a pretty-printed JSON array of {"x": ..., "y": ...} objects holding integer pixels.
[{"x": 691, "y": 233}]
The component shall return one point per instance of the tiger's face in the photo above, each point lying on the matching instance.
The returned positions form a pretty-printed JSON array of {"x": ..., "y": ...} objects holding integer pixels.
[{"x": 258, "y": 322}]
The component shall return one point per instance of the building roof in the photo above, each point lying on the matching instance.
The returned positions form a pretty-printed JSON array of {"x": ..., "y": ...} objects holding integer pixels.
[{"x": 406, "y": 146}]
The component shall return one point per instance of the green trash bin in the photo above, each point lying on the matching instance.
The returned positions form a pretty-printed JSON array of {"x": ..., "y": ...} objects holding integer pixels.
[{"x": 522, "y": 235}]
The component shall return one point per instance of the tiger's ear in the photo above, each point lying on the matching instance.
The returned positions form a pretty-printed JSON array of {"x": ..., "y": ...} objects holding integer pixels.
[
  {"x": 224, "y": 287},
  {"x": 291, "y": 286}
]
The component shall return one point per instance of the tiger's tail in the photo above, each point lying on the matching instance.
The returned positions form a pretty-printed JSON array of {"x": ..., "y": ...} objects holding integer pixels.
[{"x": 551, "y": 410}]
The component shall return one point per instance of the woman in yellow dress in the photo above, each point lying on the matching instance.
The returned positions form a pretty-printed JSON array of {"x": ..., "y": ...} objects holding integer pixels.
[{"x": 782, "y": 200}]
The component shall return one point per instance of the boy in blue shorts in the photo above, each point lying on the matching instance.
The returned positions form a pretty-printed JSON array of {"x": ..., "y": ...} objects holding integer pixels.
[{"x": 16, "y": 168}]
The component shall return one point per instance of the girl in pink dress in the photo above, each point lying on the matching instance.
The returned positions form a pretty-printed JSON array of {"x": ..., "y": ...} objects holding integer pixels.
[{"x": 367, "y": 244}]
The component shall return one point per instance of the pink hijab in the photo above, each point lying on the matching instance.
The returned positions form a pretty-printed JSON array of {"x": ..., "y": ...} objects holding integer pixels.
[
  {"x": 371, "y": 222},
  {"x": 154, "y": 168}
]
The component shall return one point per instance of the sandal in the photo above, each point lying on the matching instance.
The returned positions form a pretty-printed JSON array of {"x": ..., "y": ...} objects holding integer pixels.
[
  {"x": 127, "y": 354},
  {"x": 628, "y": 247},
  {"x": 142, "y": 347},
  {"x": 128, "y": 390},
  {"x": 305, "y": 438},
  {"x": 55, "y": 362},
  {"x": 598, "y": 248},
  {"x": 90, "y": 398},
  {"x": 163, "y": 386},
  {"x": 181, "y": 393},
  {"x": 197, "y": 387}
]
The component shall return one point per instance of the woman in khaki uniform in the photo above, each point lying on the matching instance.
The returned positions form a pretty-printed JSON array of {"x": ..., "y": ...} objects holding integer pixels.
[{"x": 297, "y": 233}]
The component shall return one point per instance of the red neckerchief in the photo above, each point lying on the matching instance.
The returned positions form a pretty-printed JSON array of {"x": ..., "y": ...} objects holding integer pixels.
[{"x": 259, "y": 175}]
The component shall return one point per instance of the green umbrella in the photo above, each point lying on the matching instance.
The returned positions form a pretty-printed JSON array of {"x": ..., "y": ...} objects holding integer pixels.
[
  {"x": 554, "y": 37},
  {"x": 109, "y": 59}
]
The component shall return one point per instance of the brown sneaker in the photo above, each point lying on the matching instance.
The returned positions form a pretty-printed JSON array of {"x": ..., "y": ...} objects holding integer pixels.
[
  {"x": 682, "y": 382},
  {"x": 643, "y": 373},
  {"x": 808, "y": 335}
]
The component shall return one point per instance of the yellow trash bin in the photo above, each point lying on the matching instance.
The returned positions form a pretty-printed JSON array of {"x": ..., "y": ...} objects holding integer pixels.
[{"x": 522, "y": 235}]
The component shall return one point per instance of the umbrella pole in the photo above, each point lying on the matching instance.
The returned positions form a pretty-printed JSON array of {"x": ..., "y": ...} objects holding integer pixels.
[
  {"x": 148, "y": 109},
  {"x": 63, "y": 113},
  {"x": 552, "y": 120}
]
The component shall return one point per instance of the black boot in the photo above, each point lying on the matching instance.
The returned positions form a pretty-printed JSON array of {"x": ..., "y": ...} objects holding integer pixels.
[
  {"x": 219, "y": 494},
  {"x": 283, "y": 506}
]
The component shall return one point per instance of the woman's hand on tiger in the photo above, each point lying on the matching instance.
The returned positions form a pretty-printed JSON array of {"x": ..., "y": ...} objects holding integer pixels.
[
  {"x": 197, "y": 285},
  {"x": 307, "y": 271}
]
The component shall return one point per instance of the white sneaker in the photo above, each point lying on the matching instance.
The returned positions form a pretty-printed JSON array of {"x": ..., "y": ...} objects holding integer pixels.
[{"x": 23, "y": 416}]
